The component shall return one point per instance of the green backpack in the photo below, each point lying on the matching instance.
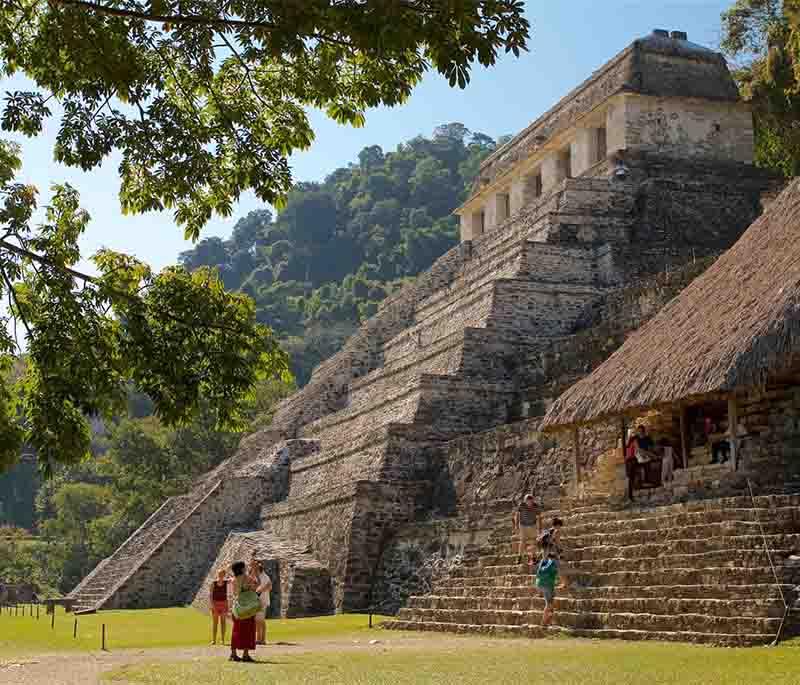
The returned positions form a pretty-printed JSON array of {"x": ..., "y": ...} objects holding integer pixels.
[
  {"x": 246, "y": 605},
  {"x": 547, "y": 573}
]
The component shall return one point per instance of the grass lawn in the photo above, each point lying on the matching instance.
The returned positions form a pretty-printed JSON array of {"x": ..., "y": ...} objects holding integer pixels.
[
  {"x": 466, "y": 661},
  {"x": 151, "y": 628}
]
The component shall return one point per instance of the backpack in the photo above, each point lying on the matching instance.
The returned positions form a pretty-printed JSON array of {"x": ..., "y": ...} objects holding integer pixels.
[
  {"x": 246, "y": 605},
  {"x": 547, "y": 572},
  {"x": 544, "y": 538}
]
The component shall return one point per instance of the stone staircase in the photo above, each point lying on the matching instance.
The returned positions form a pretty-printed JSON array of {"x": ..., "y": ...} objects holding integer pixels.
[
  {"x": 99, "y": 586},
  {"x": 695, "y": 572}
]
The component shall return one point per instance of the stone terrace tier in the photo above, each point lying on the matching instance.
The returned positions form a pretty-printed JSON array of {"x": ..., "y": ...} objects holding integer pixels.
[{"x": 697, "y": 572}]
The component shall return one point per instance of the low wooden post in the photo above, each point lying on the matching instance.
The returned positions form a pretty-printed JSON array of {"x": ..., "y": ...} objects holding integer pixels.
[
  {"x": 103, "y": 638},
  {"x": 75, "y": 629},
  {"x": 733, "y": 438},
  {"x": 53, "y": 619},
  {"x": 684, "y": 437},
  {"x": 623, "y": 429},
  {"x": 577, "y": 456}
]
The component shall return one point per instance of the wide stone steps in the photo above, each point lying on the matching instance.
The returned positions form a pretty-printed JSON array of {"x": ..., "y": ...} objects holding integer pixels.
[
  {"x": 676, "y": 523},
  {"x": 732, "y": 592},
  {"x": 507, "y": 553},
  {"x": 746, "y": 575},
  {"x": 754, "y": 608},
  {"x": 722, "y": 558},
  {"x": 700, "y": 571},
  {"x": 698, "y": 531},
  {"x": 600, "y": 513},
  {"x": 535, "y": 631},
  {"x": 703, "y": 623}
]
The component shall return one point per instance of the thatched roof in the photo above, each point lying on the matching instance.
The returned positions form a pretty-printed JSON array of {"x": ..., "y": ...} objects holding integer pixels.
[{"x": 732, "y": 327}]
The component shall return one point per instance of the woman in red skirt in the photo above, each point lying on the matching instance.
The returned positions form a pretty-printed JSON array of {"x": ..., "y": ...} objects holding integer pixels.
[{"x": 244, "y": 630}]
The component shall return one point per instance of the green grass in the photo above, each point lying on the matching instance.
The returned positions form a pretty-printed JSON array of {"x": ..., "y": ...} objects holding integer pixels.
[
  {"x": 504, "y": 662},
  {"x": 180, "y": 627}
]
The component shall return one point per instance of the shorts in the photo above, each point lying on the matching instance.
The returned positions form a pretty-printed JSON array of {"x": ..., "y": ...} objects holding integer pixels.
[
  {"x": 219, "y": 607},
  {"x": 548, "y": 593},
  {"x": 527, "y": 535}
]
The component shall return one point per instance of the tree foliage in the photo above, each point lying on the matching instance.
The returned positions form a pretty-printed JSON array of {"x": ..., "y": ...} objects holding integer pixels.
[
  {"x": 177, "y": 336},
  {"x": 206, "y": 99},
  {"x": 339, "y": 247},
  {"x": 763, "y": 37},
  {"x": 202, "y": 100}
]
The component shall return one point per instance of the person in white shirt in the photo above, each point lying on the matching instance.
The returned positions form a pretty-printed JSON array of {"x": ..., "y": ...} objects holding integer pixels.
[{"x": 263, "y": 585}]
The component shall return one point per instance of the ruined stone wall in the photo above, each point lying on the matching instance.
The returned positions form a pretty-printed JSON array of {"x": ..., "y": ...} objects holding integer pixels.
[
  {"x": 301, "y": 586},
  {"x": 770, "y": 453},
  {"x": 380, "y": 510},
  {"x": 686, "y": 128},
  {"x": 346, "y": 528},
  {"x": 323, "y": 523}
]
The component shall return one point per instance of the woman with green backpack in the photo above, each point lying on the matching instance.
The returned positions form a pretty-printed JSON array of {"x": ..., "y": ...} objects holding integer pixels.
[
  {"x": 546, "y": 579},
  {"x": 246, "y": 605}
]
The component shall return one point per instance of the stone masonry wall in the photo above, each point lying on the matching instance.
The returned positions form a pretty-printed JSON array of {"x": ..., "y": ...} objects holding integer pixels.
[{"x": 171, "y": 575}]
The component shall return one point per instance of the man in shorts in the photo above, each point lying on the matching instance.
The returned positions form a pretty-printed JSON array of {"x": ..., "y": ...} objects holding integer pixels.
[{"x": 526, "y": 525}]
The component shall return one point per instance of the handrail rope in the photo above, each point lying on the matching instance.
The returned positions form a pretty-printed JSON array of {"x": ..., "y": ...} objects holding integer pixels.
[{"x": 786, "y": 605}]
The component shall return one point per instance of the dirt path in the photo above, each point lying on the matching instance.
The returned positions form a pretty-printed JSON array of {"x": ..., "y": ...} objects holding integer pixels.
[{"x": 85, "y": 668}]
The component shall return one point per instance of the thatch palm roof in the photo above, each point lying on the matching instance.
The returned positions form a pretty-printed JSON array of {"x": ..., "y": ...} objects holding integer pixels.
[{"x": 733, "y": 326}]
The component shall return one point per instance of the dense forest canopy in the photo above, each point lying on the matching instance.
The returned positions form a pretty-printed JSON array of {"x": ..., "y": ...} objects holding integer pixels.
[
  {"x": 339, "y": 247},
  {"x": 762, "y": 40}
]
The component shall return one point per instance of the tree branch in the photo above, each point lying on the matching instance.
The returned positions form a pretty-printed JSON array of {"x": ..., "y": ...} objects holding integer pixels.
[
  {"x": 193, "y": 19},
  {"x": 13, "y": 296},
  {"x": 188, "y": 19},
  {"x": 86, "y": 278}
]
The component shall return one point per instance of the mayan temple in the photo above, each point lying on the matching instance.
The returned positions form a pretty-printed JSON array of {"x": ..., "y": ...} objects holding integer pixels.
[{"x": 388, "y": 481}]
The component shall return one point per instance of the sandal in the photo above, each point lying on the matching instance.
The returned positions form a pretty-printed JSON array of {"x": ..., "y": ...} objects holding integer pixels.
[
  {"x": 233, "y": 657},
  {"x": 248, "y": 659}
]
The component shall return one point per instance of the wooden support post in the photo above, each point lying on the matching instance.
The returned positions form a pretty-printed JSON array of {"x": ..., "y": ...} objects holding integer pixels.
[
  {"x": 684, "y": 437},
  {"x": 623, "y": 429},
  {"x": 577, "y": 455},
  {"x": 103, "y": 638},
  {"x": 733, "y": 437}
]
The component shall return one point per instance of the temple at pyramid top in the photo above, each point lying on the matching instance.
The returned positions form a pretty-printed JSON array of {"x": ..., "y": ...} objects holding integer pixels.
[{"x": 661, "y": 94}]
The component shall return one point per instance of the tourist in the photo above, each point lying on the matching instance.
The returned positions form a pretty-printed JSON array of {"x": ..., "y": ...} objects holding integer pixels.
[
  {"x": 244, "y": 629},
  {"x": 641, "y": 450},
  {"x": 547, "y": 572},
  {"x": 526, "y": 524},
  {"x": 218, "y": 597},
  {"x": 263, "y": 586},
  {"x": 549, "y": 540},
  {"x": 546, "y": 577}
]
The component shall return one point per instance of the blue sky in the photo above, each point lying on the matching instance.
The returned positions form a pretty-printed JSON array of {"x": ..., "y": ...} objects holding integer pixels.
[{"x": 569, "y": 40}]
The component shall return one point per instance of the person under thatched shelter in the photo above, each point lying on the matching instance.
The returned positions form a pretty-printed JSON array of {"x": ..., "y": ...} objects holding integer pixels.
[{"x": 733, "y": 335}]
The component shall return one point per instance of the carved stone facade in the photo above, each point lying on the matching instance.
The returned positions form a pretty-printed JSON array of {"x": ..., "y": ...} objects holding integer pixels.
[{"x": 402, "y": 452}]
